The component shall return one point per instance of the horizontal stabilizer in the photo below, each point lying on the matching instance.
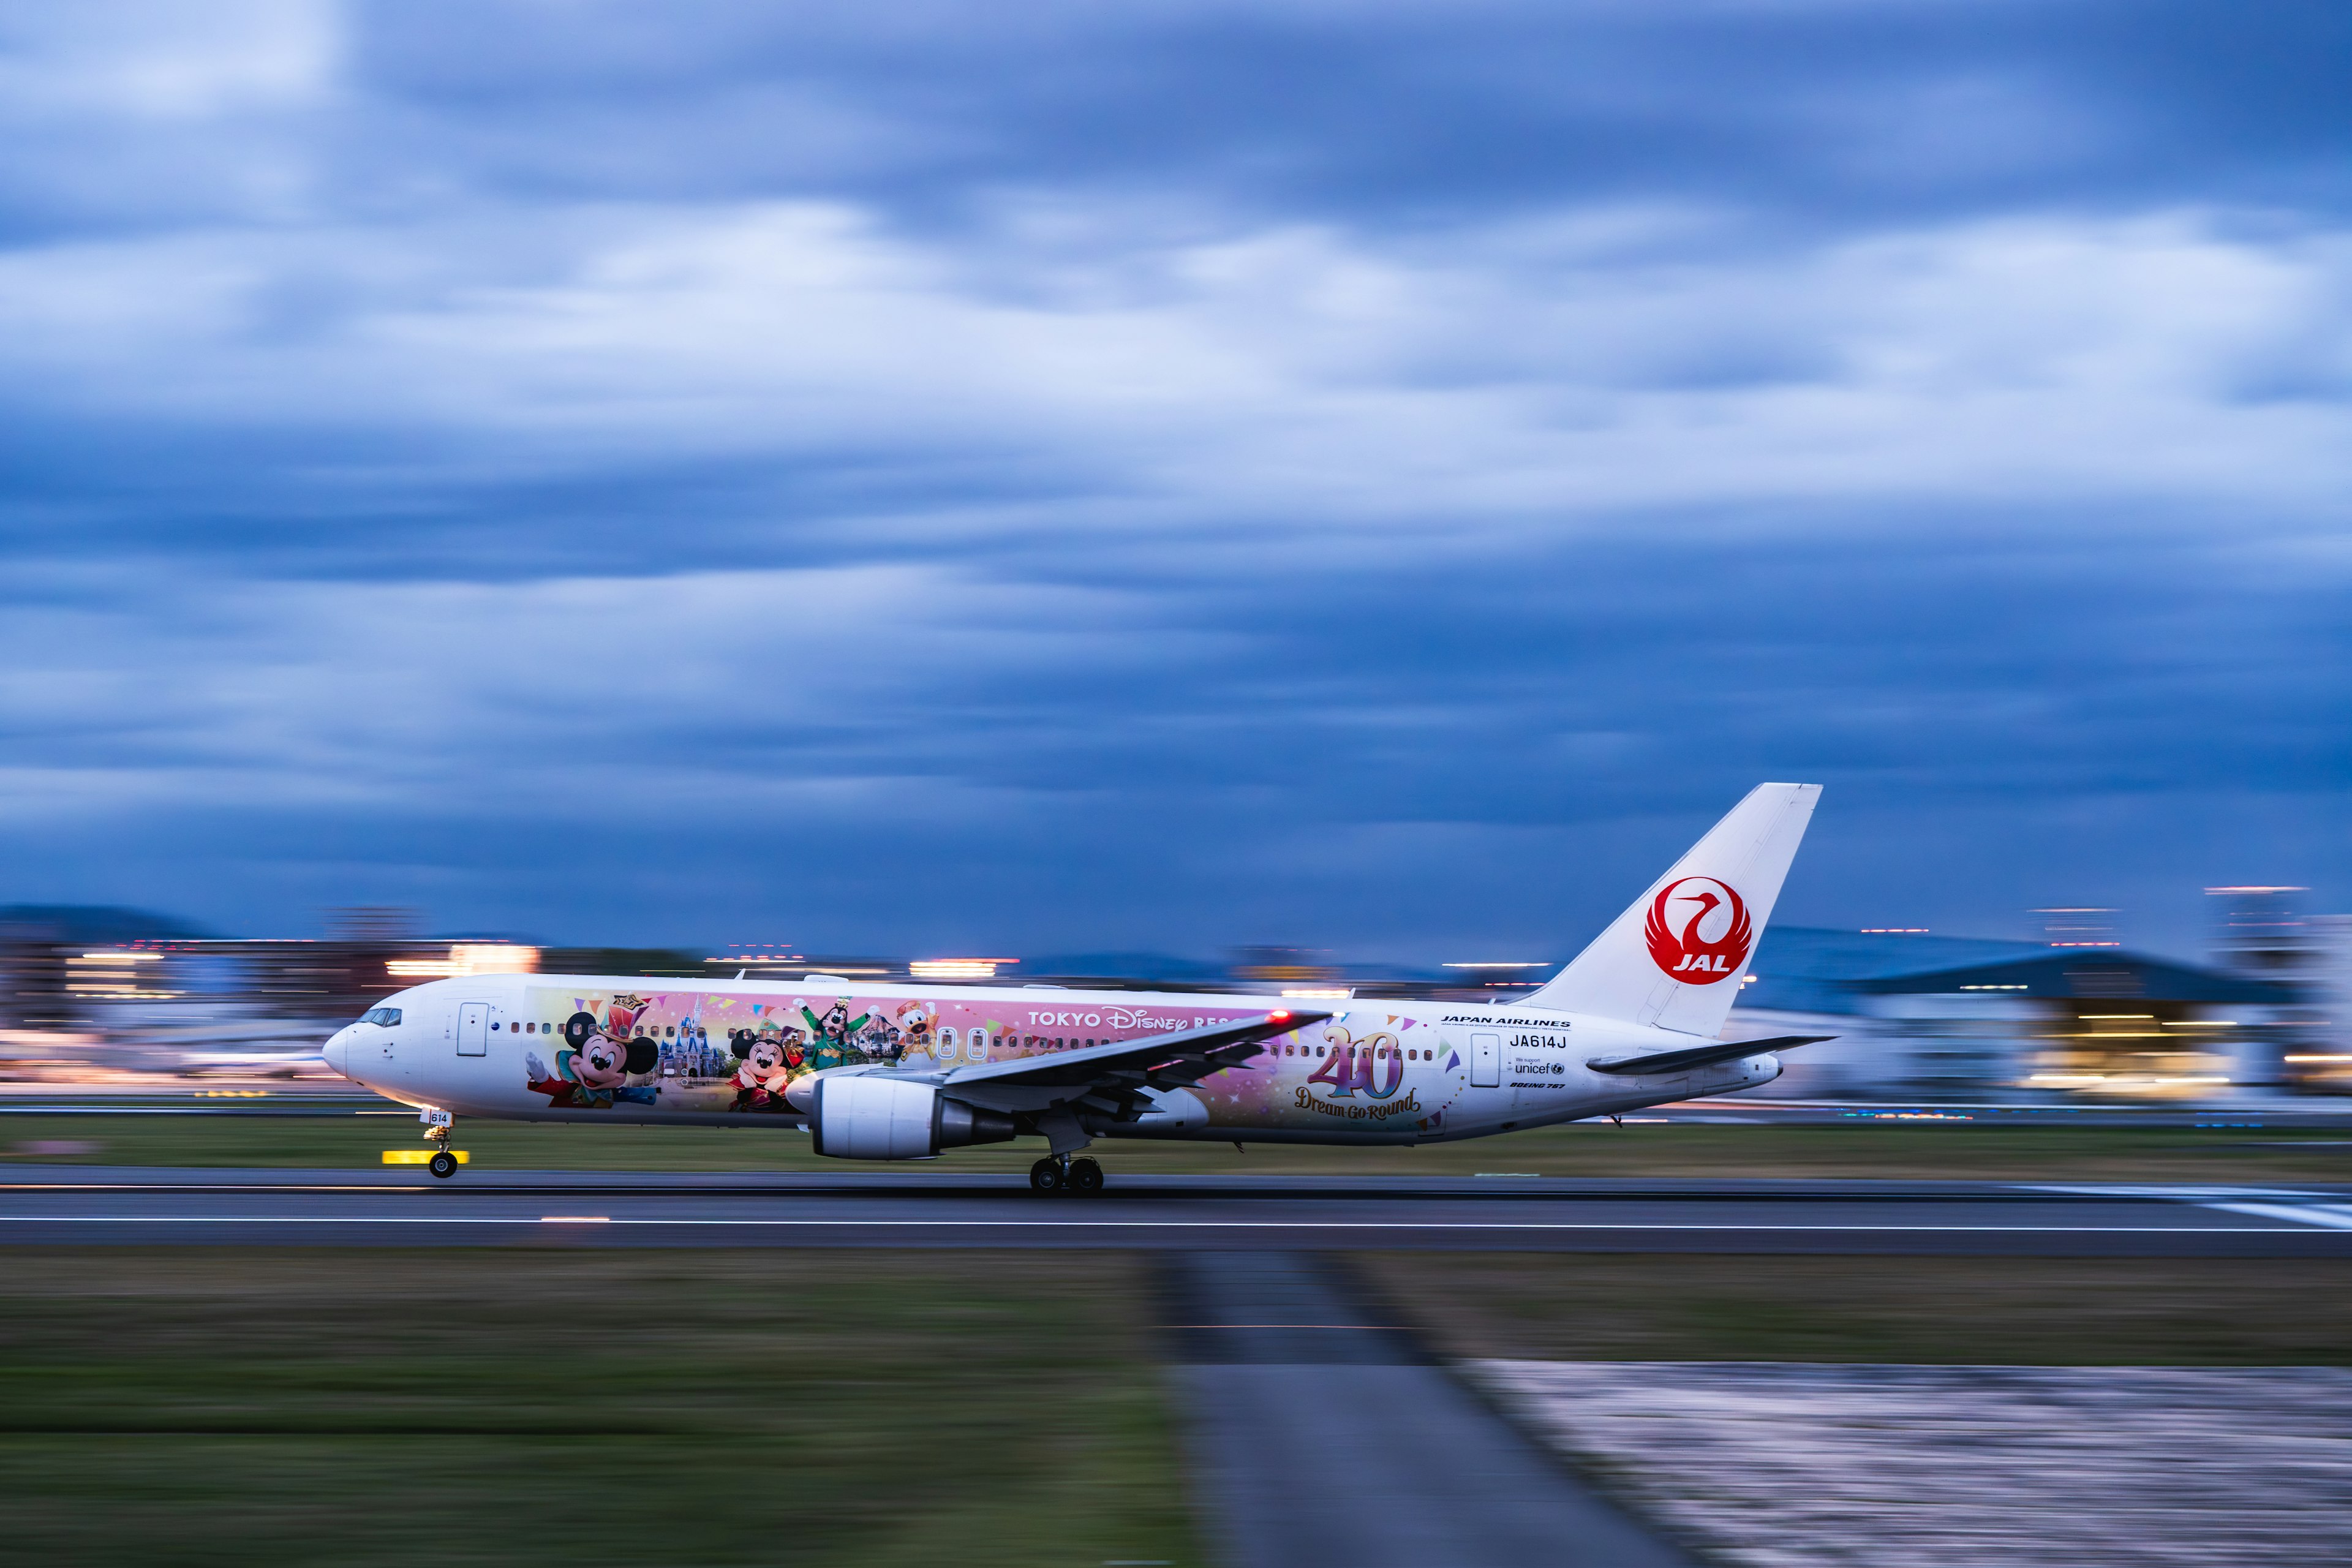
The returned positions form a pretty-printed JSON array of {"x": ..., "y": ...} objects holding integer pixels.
[{"x": 1702, "y": 1056}]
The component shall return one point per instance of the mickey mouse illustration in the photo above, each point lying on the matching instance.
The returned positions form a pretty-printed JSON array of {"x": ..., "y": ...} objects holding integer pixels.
[
  {"x": 766, "y": 1068},
  {"x": 594, "y": 1069}
]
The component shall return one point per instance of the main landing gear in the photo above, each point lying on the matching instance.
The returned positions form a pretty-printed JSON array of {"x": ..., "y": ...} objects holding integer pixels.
[{"x": 1080, "y": 1175}]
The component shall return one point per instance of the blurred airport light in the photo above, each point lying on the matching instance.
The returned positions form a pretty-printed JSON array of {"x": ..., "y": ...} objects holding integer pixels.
[
  {"x": 114, "y": 974},
  {"x": 1504, "y": 975},
  {"x": 956, "y": 968},
  {"x": 467, "y": 958}
]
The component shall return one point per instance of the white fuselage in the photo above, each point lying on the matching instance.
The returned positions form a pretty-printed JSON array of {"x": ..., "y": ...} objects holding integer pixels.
[{"x": 723, "y": 1053}]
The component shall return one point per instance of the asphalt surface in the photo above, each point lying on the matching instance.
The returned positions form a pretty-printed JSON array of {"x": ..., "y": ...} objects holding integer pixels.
[
  {"x": 1322, "y": 1435},
  {"x": 99, "y": 1205}
]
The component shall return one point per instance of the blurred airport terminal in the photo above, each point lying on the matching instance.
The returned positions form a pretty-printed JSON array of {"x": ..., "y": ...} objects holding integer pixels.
[{"x": 93, "y": 995}]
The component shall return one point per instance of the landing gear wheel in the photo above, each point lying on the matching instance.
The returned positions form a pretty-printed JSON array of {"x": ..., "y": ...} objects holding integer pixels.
[
  {"x": 1047, "y": 1176},
  {"x": 1086, "y": 1177},
  {"x": 443, "y": 1164}
]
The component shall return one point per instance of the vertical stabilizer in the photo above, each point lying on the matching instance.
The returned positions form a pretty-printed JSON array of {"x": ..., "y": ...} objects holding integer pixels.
[{"x": 1674, "y": 958}]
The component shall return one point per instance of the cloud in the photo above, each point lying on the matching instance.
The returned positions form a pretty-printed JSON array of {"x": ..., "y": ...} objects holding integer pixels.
[
  {"x": 1197, "y": 472},
  {"x": 1569, "y": 370}
]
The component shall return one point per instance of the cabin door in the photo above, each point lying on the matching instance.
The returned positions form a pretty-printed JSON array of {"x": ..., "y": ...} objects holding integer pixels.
[
  {"x": 1486, "y": 1060},
  {"x": 474, "y": 1030}
]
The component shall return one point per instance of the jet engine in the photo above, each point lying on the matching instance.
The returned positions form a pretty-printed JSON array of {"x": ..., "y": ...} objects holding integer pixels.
[{"x": 855, "y": 1117}]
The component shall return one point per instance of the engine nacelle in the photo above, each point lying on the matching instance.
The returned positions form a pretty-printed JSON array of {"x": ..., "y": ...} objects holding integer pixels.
[{"x": 855, "y": 1117}]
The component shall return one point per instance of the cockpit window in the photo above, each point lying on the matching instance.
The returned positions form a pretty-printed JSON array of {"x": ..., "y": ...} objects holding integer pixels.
[{"x": 386, "y": 1016}]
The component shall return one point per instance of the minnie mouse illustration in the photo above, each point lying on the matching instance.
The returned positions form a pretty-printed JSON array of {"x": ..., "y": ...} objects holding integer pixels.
[{"x": 594, "y": 1069}]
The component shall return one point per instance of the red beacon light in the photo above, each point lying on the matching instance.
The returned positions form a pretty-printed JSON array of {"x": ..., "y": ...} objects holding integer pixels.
[{"x": 1280, "y": 1013}]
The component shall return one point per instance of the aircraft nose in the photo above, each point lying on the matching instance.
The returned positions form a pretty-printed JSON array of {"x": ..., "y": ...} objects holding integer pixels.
[{"x": 333, "y": 1051}]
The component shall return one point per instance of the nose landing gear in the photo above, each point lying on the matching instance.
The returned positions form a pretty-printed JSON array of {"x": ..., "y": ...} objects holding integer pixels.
[
  {"x": 1081, "y": 1175},
  {"x": 443, "y": 1164}
]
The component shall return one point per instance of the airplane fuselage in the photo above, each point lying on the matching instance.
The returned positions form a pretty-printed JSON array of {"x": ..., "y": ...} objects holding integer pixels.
[{"x": 605, "y": 1048}]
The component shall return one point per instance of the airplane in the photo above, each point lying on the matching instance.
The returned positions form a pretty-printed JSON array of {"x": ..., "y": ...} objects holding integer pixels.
[{"x": 904, "y": 1072}]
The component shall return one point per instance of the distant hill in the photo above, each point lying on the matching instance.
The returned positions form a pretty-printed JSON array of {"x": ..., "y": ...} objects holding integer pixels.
[{"x": 96, "y": 924}]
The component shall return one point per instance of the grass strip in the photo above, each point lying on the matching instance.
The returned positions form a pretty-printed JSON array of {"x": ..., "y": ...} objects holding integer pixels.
[{"x": 231, "y": 1406}]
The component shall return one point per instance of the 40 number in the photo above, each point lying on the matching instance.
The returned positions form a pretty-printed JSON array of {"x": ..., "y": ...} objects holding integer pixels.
[{"x": 1353, "y": 1065}]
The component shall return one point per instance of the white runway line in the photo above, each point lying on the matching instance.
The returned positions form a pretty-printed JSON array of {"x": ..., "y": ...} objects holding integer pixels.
[
  {"x": 2332, "y": 1217},
  {"x": 2180, "y": 1193}
]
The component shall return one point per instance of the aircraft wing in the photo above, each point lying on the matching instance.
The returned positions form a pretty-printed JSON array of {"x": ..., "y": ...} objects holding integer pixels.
[
  {"x": 1111, "y": 1080},
  {"x": 1700, "y": 1056}
]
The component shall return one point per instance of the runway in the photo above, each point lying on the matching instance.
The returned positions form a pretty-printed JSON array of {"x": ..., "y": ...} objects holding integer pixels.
[{"x": 149, "y": 1206}]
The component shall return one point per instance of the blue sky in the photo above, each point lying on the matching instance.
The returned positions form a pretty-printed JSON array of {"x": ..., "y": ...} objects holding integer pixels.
[{"x": 1379, "y": 476}]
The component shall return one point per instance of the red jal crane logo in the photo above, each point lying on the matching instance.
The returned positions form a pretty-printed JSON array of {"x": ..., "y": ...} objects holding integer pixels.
[{"x": 1677, "y": 916}]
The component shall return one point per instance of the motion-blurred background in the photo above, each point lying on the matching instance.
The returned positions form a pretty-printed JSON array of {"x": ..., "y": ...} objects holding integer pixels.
[{"x": 115, "y": 997}]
